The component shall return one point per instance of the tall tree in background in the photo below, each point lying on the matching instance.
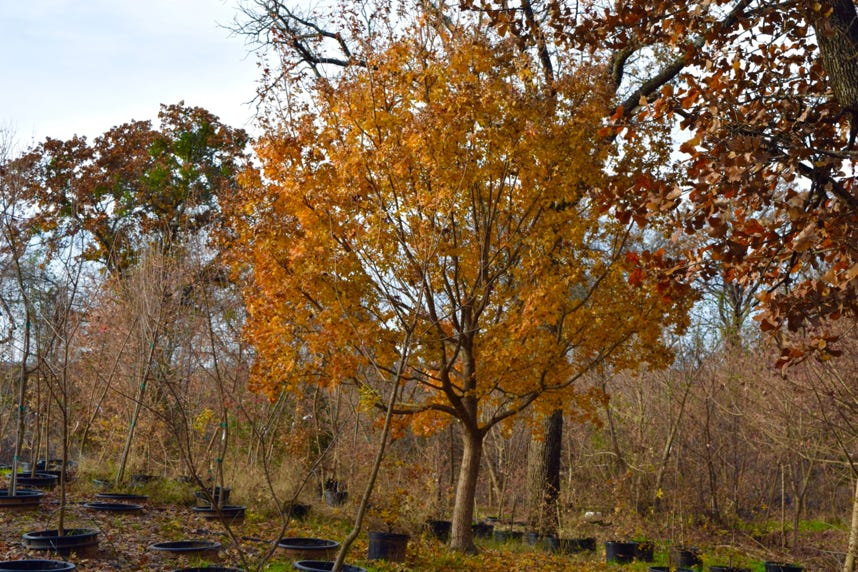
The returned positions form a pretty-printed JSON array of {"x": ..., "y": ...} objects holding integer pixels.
[
  {"x": 139, "y": 194},
  {"x": 769, "y": 95},
  {"x": 137, "y": 186},
  {"x": 442, "y": 186}
]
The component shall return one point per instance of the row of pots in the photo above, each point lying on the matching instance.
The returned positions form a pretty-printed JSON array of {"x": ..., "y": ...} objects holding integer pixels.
[
  {"x": 682, "y": 559},
  {"x": 769, "y": 567},
  {"x": 615, "y": 551},
  {"x": 440, "y": 529},
  {"x": 385, "y": 546}
]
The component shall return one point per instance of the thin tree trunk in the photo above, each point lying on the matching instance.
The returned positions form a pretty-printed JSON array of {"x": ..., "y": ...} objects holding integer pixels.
[
  {"x": 668, "y": 447},
  {"x": 42, "y": 418},
  {"x": 852, "y": 549},
  {"x": 783, "y": 507},
  {"x": 107, "y": 386},
  {"x": 138, "y": 405},
  {"x": 22, "y": 391},
  {"x": 800, "y": 496},
  {"x": 711, "y": 470},
  {"x": 496, "y": 489},
  {"x": 619, "y": 460},
  {"x": 379, "y": 457},
  {"x": 61, "y": 521}
]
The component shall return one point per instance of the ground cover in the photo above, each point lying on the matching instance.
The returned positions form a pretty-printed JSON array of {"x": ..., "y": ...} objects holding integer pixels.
[{"x": 167, "y": 516}]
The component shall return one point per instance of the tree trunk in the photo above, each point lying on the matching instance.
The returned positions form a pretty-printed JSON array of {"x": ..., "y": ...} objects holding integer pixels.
[
  {"x": 543, "y": 475},
  {"x": 135, "y": 416},
  {"x": 22, "y": 393},
  {"x": 849, "y": 563},
  {"x": 461, "y": 535},
  {"x": 837, "y": 35},
  {"x": 668, "y": 448}
]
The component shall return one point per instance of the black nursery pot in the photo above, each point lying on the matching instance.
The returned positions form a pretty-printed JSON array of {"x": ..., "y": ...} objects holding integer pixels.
[
  {"x": 39, "y": 480},
  {"x": 336, "y": 498},
  {"x": 781, "y": 567},
  {"x": 323, "y": 566},
  {"x": 226, "y": 513},
  {"x": 620, "y": 552},
  {"x": 685, "y": 557},
  {"x": 121, "y": 497},
  {"x": 114, "y": 507},
  {"x": 23, "y": 499},
  {"x": 296, "y": 510},
  {"x": 439, "y": 529},
  {"x": 193, "y": 548},
  {"x": 300, "y": 548},
  {"x": 208, "y": 569},
  {"x": 508, "y": 535},
  {"x": 80, "y": 541},
  {"x": 218, "y": 495},
  {"x": 45, "y": 565},
  {"x": 576, "y": 545},
  {"x": 483, "y": 529},
  {"x": 387, "y": 546},
  {"x": 644, "y": 551},
  {"x": 55, "y": 467}
]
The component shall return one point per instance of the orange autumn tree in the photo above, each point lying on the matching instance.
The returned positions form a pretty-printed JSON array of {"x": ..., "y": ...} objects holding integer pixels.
[{"x": 426, "y": 220}]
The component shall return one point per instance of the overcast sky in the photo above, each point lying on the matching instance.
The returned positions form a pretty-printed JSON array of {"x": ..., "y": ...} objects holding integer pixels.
[{"x": 83, "y": 66}]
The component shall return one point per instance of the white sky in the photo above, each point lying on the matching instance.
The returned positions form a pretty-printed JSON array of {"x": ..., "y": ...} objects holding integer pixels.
[{"x": 83, "y": 66}]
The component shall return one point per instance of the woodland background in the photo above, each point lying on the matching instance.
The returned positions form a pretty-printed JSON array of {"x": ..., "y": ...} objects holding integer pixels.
[{"x": 637, "y": 312}]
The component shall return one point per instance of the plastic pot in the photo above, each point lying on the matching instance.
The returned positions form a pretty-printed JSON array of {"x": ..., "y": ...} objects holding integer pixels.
[
  {"x": 309, "y": 548},
  {"x": 208, "y": 497},
  {"x": 781, "y": 567},
  {"x": 644, "y": 551},
  {"x": 620, "y": 552},
  {"x": 81, "y": 541},
  {"x": 439, "y": 529},
  {"x": 576, "y": 545},
  {"x": 508, "y": 535},
  {"x": 55, "y": 467},
  {"x": 324, "y": 566},
  {"x": 116, "y": 507},
  {"x": 483, "y": 529},
  {"x": 22, "y": 499},
  {"x": 209, "y": 569},
  {"x": 46, "y": 565},
  {"x": 685, "y": 557},
  {"x": 226, "y": 513},
  {"x": 39, "y": 480},
  {"x": 187, "y": 548},
  {"x": 121, "y": 497},
  {"x": 296, "y": 510},
  {"x": 336, "y": 498},
  {"x": 387, "y": 546}
]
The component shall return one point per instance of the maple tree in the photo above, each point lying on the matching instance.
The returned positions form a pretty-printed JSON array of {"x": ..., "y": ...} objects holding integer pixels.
[{"x": 431, "y": 219}]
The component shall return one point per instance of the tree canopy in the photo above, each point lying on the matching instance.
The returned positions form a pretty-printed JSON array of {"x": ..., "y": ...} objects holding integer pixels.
[
  {"x": 434, "y": 218},
  {"x": 135, "y": 185},
  {"x": 768, "y": 95}
]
